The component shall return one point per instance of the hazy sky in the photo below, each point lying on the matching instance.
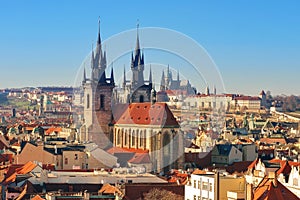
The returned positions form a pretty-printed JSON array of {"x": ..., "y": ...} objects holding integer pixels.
[{"x": 255, "y": 44}]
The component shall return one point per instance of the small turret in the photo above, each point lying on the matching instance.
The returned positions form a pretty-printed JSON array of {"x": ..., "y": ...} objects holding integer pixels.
[{"x": 112, "y": 79}]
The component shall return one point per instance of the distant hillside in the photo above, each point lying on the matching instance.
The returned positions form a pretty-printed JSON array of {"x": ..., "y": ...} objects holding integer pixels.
[{"x": 3, "y": 99}]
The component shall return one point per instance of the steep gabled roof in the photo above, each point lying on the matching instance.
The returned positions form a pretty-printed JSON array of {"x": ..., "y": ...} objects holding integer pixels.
[
  {"x": 140, "y": 158},
  {"x": 224, "y": 149},
  {"x": 23, "y": 169},
  {"x": 114, "y": 150},
  {"x": 157, "y": 114},
  {"x": 109, "y": 189},
  {"x": 37, "y": 197},
  {"x": 271, "y": 189},
  {"x": 285, "y": 168}
]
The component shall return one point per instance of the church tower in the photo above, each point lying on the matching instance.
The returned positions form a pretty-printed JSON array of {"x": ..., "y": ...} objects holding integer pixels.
[
  {"x": 139, "y": 91},
  {"x": 137, "y": 65},
  {"x": 98, "y": 91}
]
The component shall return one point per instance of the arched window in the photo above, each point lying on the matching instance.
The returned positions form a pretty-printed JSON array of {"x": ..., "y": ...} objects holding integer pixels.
[
  {"x": 141, "y": 137},
  {"x": 87, "y": 101},
  {"x": 133, "y": 138},
  {"x": 141, "y": 98},
  {"x": 118, "y": 137},
  {"x": 102, "y": 99}
]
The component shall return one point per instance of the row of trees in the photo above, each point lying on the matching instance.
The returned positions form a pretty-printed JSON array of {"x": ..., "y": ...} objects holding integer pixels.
[{"x": 289, "y": 103}]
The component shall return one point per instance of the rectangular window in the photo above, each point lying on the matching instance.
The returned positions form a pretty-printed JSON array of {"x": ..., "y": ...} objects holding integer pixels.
[
  {"x": 195, "y": 185},
  {"x": 76, "y": 156},
  {"x": 210, "y": 187},
  {"x": 66, "y": 161},
  {"x": 205, "y": 186}
]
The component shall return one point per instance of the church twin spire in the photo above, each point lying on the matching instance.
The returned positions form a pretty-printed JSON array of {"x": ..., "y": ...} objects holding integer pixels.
[{"x": 99, "y": 63}]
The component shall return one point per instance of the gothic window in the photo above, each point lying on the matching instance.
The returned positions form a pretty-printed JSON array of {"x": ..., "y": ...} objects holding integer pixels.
[
  {"x": 133, "y": 138},
  {"x": 102, "y": 98},
  {"x": 125, "y": 138},
  {"x": 88, "y": 101},
  {"x": 141, "y": 98},
  {"x": 118, "y": 137},
  {"x": 141, "y": 138}
]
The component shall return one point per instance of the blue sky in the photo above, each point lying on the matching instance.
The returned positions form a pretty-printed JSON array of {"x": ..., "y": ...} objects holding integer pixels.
[{"x": 255, "y": 44}]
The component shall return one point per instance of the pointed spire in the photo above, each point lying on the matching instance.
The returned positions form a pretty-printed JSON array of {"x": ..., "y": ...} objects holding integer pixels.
[
  {"x": 84, "y": 75},
  {"x": 142, "y": 59},
  {"x": 92, "y": 57},
  {"x": 112, "y": 78},
  {"x": 137, "y": 36},
  {"x": 207, "y": 90},
  {"x": 124, "y": 78},
  {"x": 99, "y": 38},
  {"x": 150, "y": 76},
  {"x": 215, "y": 90},
  {"x": 162, "y": 83}
]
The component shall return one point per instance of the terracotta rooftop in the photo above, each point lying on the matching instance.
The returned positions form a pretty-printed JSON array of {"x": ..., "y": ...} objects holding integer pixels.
[
  {"x": 109, "y": 189},
  {"x": 253, "y": 164},
  {"x": 37, "y": 197},
  {"x": 238, "y": 167},
  {"x": 291, "y": 163},
  {"x": 148, "y": 114},
  {"x": 53, "y": 129},
  {"x": 271, "y": 189},
  {"x": 273, "y": 140},
  {"x": 125, "y": 150},
  {"x": 199, "y": 171},
  {"x": 140, "y": 158},
  {"x": 247, "y": 98},
  {"x": 23, "y": 169}
]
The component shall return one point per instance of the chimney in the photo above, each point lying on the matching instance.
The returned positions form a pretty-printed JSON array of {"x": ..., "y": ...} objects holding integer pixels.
[{"x": 249, "y": 191}]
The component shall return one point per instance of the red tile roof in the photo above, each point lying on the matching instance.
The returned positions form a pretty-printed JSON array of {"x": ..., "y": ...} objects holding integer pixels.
[
  {"x": 273, "y": 140},
  {"x": 37, "y": 197},
  {"x": 238, "y": 167},
  {"x": 285, "y": 168},
  {"x": 53, "y": 129},
  {"x": 199, "y": 171},
  {"x": 247, "y": 98},
  {"x": 271, "y": 189},
  {"x": 140, "y": 158},
  {"x": 6, "y": 158},
  {"x": 253, "y": 164},
  {"x": 125, "y": 150},
  {"x": 109, "y": 189},
  {"x": 148, "y": 114},
  {"x": 23, "y": 169},
  {"x": 291, "y": 163}
]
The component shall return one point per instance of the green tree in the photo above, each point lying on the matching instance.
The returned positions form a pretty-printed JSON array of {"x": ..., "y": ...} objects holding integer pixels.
[{"x": 155, "y": 194}]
